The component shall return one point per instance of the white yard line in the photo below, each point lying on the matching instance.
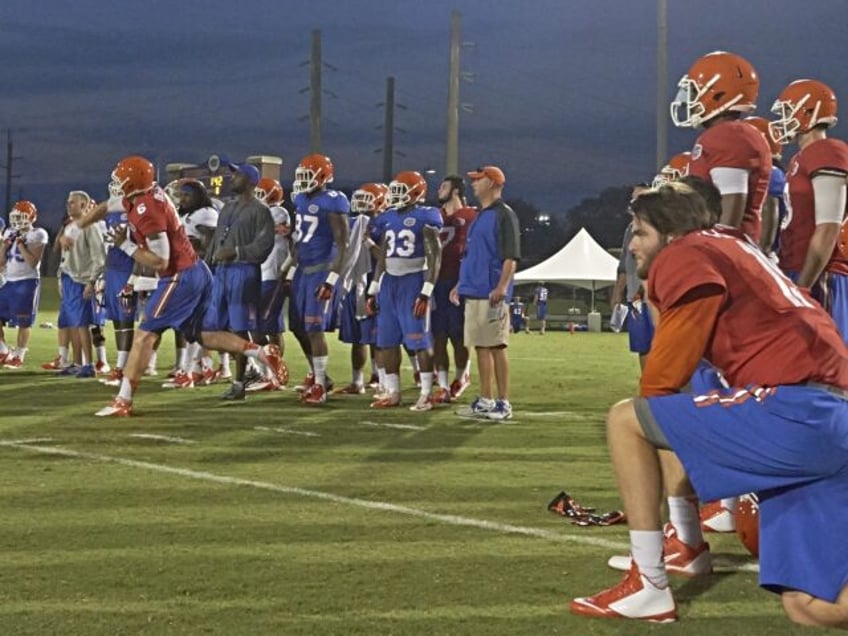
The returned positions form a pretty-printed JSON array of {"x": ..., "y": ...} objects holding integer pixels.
[
  {"x": 403, "y": 427},
  {"x": 162, "y": 438},
  {"x": 33, "y": 440},
  {"x": 454, "y": 520},
  {"x": 285, "y": 431}
]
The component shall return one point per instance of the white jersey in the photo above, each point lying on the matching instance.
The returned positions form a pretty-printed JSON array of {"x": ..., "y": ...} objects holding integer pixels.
[
  {"x": 202, "y": 217},
  {"x": 16, "y": 266},
  {"x": 271, "y": 266}
]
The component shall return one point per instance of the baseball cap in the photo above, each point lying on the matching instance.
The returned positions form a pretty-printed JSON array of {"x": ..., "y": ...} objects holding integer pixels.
[
  {"x": 248, "y": 170},
  {"x": 494, "y": 174}
]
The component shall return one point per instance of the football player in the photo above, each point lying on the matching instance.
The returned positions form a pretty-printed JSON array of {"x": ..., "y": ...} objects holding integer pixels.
[
  {"x": 409, "y": 259},
  {"x": 274, "y": 290},
  {"x": 20, "y": 263},
  {"x": 449, "y": 319},
  {"x": 356, "y": 327},
  {"x": 540, "y": 299},
  {"x": 714, "y": 94},
  {"x": 721, "y": 299},
  {"x": 816, "y": 195},
  {"x": 155, "y": 238},
  {"x": 774, "y": 209},
  {"x": 320, "y": 242},
  {"x": 677, "y": 166}
]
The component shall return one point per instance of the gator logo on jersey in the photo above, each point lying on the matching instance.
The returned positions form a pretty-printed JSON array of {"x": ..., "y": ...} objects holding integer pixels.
[
  {"x": 410, "y": 222},
  {"x": 312, "y": 207}
]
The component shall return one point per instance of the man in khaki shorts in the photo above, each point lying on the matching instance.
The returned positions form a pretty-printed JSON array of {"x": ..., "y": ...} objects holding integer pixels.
[{"x": 492, "y": 252}]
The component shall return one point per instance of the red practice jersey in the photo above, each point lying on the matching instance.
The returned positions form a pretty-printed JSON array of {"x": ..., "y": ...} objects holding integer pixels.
[
  {"x": 452, "y": 236},
  {"x": 735, "y": 144},
  {"x": 768, "y": 332},
  {"x": 152, "y": 213},
  {"x": 825, "y": 156}
]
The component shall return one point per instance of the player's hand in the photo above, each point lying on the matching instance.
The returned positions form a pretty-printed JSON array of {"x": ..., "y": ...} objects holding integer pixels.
[
  {"x": 119, "y": 234},
  {"x": 88, "y": 291},
  {"x": 324, "y": 291},
  {"x": 454, "y": 296},
  {"x": 421, "y": 306},
  {"x": 371, "y": 307},
  {"x": 126, "y": 296}
]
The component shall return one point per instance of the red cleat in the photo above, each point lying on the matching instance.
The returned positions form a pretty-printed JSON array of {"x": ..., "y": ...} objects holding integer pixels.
[
  {"x": 717, "y": 518},
  {"x": 680, "y": 559},
  {"x": 634, "y": 597},
  {"x": 314, "y": 395},
  {"x": 54, "y": 365},
  {"x": 457, "y": 387},
  {"x": 118, "y": 408},
  {"x": 387, "y": 401}
]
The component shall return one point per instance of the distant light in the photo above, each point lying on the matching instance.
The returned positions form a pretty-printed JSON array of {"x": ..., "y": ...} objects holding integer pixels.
[
  {"x": 429, "y": 171},
  {"x": 543, "y": 219}
]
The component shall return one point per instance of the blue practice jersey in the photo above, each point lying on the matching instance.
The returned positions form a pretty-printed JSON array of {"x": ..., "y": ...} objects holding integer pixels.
[
  {"x": 541, "y": 295},
  {"x": 404, "y": 231},
  {"x": 313, "y": 235},
  {"x": 116, "y": 259}
]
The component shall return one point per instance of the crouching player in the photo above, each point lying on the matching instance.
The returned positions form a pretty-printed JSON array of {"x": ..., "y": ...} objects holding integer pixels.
[{"x": 781, "y": 430}]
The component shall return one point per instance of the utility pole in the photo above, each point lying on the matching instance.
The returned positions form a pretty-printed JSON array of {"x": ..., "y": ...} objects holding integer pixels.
[
  {"x": 452, "y": 144},
  {"x": 10, "y": 159},
  {"x": 389, "y": 131},
  {"x": 315, "y": 93},
  {"x": 662, "y": 83}
]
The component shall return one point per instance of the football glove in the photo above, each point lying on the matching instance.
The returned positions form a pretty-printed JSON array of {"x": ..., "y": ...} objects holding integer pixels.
[
  {"x": 420, "y": 306},
  {"x": 371, "y": 307}
]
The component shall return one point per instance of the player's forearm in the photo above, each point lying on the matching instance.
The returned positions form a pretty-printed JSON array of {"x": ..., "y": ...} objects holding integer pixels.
[
  {"x": 507, "y": 272},
  {"x": 819, "y": 252},
  {"x": 92, "y": 216},
  {"x": 768, "y": 230},
  {"x": 733, "y": 209}
]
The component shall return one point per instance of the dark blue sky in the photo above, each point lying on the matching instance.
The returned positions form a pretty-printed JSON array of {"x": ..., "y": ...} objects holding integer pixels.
[{"x": 563, "y": 97}]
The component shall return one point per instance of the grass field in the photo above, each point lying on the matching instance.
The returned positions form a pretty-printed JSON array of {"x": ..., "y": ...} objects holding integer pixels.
[{"x": 268, "y": 517}]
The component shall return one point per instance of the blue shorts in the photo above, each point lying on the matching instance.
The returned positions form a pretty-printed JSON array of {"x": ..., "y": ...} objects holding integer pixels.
[
  {"x": 445, "y": 317},
  {"x": 234, "y": 304},
  {"x": 517, "y": 323},
  {"x": 19, "y": 302},
  {"x": 115, "y": 309},
  {"x": 640, "y": 328},
  {"x": 361, "y": 331},
  {"x": 273, "y": 296},
  {"x": 74, "y": 310},
  {"x": 305, "y": 310},
  {"x": 396, "y": 323},
  {"x": 790, "y": 445},
  {"x": 179, "y": 302},
  {"x": 541, "y": 311},
  {"x": 98, "y": 310}
]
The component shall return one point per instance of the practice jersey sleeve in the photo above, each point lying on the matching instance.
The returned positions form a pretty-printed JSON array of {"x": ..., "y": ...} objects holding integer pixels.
[
  {"x": 433, "y": 218},
  {"x": 339, "y": 203},
  {"x": 777, "y": 182}
]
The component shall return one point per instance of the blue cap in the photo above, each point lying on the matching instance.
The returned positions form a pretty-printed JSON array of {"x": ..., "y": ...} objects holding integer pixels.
[{"x": 248, "y": 170}]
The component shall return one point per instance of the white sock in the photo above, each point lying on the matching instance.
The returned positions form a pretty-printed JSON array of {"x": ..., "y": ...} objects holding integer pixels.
[
  {"x": 443, "y": 378},
  {"x": 319, "y": 363},
  {"x": 728, "y": 504},
  {"x": 392, "y": 383},
  {"x": 381, "y": 377},
  {"x": 358, "y": 378},
  {"x": 101, "y": 354},
  {"x": 182, "y": 358},
  {"x": 225, "y": 359},
  {"x": 21, "y": 353},
  {"x": 426, "y": 382},
  {"x": 125, "y": 392},
  {"x": 206, "y": 362},
  {"x": 466, "y": 371},
  {"x": 683, "y": 514},
  {"x": 63, "y": 356},
  {"x": 154, "y": 357},
  {"x": 122, "y": 359},
  {"x": 646, "y": 547}
]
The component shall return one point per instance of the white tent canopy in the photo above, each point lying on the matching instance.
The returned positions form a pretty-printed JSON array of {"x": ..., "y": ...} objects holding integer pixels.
[{"x": 581, "y": 263}]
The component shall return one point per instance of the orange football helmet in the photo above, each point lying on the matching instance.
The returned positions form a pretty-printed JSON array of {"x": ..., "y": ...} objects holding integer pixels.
[
  {"x": 22, "y": 216},
  {"x": 369, "y": 198},
  {"x": 802, "y": 106},
  {"x": 269, "y": 191},
  {"x": 677, "y": 166},
  {"x": 312, "y": 172},
  {"x": 764, "y": 126},
  {"x": 407, "y": 188},
  {"x": 131, "y": 176},
  {"x": 747, "y": 516},
  {"x": 716, "y": 83}
]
